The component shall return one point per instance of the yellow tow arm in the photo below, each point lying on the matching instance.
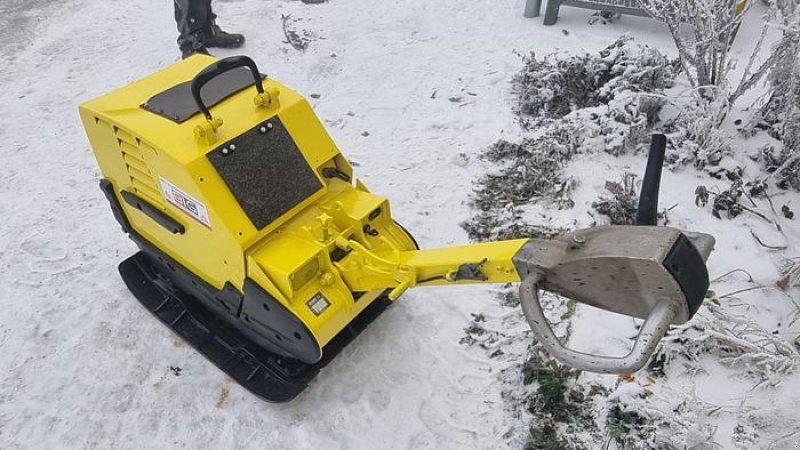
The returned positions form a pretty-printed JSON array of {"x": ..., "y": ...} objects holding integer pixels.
[{"x": 365, "y": 270}]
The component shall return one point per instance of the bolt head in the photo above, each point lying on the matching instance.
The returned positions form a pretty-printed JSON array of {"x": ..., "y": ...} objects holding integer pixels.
[
  {"x": 578, "y": 238},
  {"x": 224, "y": 150}
]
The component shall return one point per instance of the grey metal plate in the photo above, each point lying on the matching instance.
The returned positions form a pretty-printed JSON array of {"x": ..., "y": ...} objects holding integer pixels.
[
  {"x": 178, "y": 105},
  {"x": 265, "y": 172}
]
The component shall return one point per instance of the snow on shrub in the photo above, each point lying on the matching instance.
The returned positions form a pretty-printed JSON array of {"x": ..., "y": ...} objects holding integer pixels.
[
  {"x": 552, "y": 87},
  {"x": 703, "y": 32},
  {"x": 527, "y": 172},
  {"x": 695, "y": 138},
  {"x": 781, "y": 110},
  {"x": 639, "y": 418},
  {"x": 621, "y": 201},
  {"x": 604, "y": 102},
  {"x": 735, "y": 340}
]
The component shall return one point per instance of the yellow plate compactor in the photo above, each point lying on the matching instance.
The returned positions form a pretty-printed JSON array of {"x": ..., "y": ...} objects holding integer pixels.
[{"x": 261, "y": 249}]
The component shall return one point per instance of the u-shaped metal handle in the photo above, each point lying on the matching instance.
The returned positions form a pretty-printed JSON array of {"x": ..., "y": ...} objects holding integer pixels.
[
  {"x": 653, "y": 329},
  {"x": 218, "y": 68}
]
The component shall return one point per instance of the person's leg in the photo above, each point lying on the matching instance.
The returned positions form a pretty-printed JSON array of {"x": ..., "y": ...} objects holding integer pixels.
[
  {"x": 193, "y": 18},
  {"x": 214, "y": 36}
]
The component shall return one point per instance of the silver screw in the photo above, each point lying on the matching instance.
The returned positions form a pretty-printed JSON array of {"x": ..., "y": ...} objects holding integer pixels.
[
  {"x": 232, "y": 147},
  {"x": 269, "y": 125},
  {"x": 224, "y": 150},
  {"x": 262, "y": 130}
]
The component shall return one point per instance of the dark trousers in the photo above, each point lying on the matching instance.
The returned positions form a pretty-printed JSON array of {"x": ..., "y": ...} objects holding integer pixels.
[{"x": 194, "y": 19}]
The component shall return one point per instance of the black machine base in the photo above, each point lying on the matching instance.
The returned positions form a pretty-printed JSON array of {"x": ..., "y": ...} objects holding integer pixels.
[{"x": 270, "y": 376}]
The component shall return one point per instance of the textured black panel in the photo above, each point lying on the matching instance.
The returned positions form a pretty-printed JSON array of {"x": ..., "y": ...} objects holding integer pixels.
[
  {"x": 177, "y": 104},
  {"x": 265, "y": 171}
]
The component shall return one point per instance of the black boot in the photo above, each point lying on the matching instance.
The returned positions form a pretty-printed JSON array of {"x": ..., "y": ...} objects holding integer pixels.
[{"x": 215, "y": 37}]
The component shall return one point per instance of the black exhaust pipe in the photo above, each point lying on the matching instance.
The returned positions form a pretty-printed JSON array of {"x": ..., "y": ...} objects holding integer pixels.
[{"x": 647, "y": 212}]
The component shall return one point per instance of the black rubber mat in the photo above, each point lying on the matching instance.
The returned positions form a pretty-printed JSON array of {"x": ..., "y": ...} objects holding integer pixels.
[
  {"x": 265, "y": 171},
  {"x": 178, "y": 105}
]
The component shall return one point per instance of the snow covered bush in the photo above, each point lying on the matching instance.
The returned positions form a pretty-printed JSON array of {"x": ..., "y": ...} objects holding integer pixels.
[
  {"x": 528, "y": 169},
  {"x": 526, "y": 172},
  {"x": 621, "y": 205},
  {"x": 554, "y": 86},
  {"x": 643, "y": 419},
  {"x": 736, "y": 340},
  {"x": 782, "y": 163},
  {"x": 605, "y": 102},
  {"x": 703, "y": 31},
  {"x": 696, "y": 139},
  {"x": 611, "y": 102},
  {"x": 781, "y": 110}
]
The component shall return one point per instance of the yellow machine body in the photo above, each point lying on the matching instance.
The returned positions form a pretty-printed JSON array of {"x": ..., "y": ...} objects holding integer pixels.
[{"x": 340, "y": 241}]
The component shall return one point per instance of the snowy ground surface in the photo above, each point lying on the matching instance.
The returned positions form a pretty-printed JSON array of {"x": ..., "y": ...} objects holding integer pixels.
[{"x": 83, "y": 365}]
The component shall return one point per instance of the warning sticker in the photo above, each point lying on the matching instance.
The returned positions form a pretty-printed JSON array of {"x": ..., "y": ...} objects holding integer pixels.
[
  {"x": 185, "y": 202},
  {"x": 318, "y": 304}
]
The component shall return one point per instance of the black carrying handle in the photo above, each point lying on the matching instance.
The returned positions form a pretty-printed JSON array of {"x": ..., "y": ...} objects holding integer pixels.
[
  {"x": 218, "y": 68},
  {"x": 647, "y": 212}
]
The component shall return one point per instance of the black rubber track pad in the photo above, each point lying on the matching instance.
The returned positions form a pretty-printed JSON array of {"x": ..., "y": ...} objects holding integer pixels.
[{"x": 272, "y": 377}]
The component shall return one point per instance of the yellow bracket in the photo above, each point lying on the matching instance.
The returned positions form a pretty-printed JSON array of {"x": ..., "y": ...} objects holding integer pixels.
[
  {"x": 206, "y": 134},
  {"x": 368, "y": 271},
  {"x": 270, "y": 98}
]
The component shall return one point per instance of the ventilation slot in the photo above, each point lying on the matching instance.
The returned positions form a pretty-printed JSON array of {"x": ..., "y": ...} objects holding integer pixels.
[{"x": 143, "y": 182}]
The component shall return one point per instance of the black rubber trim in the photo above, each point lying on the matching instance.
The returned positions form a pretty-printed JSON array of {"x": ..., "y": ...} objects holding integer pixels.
[
  {"x": 268, "y": 375},
  {"x": 647, "y": 211},
  {"x": 178, "y": 105},
  {"x": 116, "y": 207},
  {"x": 276, "y": 324},
  {"x": 153, "y": 212},
  {"x": 688, "y": 268},
  {"x": 410, "y": 236},
  {"x": 265, "y": 374}
]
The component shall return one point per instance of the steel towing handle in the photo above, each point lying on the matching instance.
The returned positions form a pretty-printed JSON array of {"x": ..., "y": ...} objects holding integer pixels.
[
  {"x": 651, "y": 332},
  {"x": 647, "y": 272},
  {"x": 653, "y": 273}
]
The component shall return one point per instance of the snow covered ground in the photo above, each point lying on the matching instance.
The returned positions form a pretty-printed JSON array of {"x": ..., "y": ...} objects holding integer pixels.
[{"x": 411, "y": 91}]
